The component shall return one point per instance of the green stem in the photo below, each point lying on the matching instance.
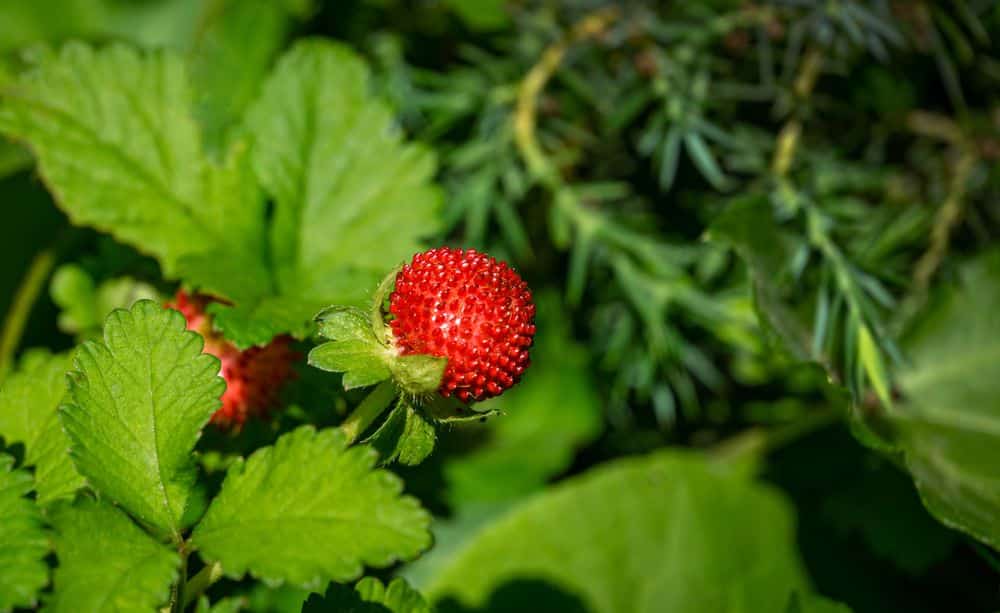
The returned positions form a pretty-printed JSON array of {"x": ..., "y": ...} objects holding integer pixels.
[
  {"x": 204, "y": 579},
  {"x": 20, "y": 308},
  {"x": 368, "y": 411},
  {"x": 177, "y": 603}
]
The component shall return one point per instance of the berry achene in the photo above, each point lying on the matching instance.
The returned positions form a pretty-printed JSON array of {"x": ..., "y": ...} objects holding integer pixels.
[
  {"x": 254, "y": 376},
  {"x": 469, "y": 308}
]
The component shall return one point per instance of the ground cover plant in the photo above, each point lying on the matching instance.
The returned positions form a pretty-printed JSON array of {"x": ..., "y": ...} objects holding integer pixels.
[{"x": 499, "y": 305}]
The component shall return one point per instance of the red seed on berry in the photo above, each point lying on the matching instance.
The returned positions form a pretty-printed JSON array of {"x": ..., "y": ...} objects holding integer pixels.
[
  {"x": 467, "y": 307},
  {"x": 254, "y": 377}
]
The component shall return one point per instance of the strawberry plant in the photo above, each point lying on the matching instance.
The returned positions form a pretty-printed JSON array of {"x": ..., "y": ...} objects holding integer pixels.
[{"x": 499, "y": 305}]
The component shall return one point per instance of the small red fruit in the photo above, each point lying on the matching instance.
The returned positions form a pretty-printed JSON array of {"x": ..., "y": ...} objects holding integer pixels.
[
  {"x": 253, "y": 377},
  {"x": 466, "y": 307}
]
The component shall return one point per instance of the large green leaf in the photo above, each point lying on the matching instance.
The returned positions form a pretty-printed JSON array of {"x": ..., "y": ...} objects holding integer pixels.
[
  {"x": 138, "y": 401},
  {"x": 352, "y": 200},
  {"x": 23, "y": 542},
  {"x": 950, "y": 421},
  {"x": 119, "y": 150},
  {"x": 368, "y": 596},
  {"x": 107, "y": 563},
  {"x": 667, "y": 532},
  {"x": 314, "y": 510},
  {"x": 154, "y": 23},
  {"x": 235, "y": 46},
  {"x": 28, "y": 402}
]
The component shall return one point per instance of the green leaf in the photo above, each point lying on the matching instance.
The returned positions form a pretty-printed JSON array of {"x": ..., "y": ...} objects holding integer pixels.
[
  {"x": 353, "y": 348},
  {"x": 480, "y": 15},
  {"x": 812, "y": 603},
  {"x": 225, "y": 605},
  {"x": 949, "y": 420},
  {"x": 106, "y": 562},
  {"x": 236, "y": 44},
  {"x": 314, "y": 509},
  {"x": 155, "y": 24},
  {"x": 553, "y": 412},
  {"x": 138, "y": 401},
  {"x": 406, "y": 436},
  {"x": 675, "y": 533},
  {"x": 891, "y": 518},
  {"x": 28, "y": 402},
  {"x": 748, "y": 226},
  {"x": 368, "y": 596},
  {"x": 703, "y": 159},
  {"x": 118, "y": 149},
  {"x": 352, "y": 200},
  {"x": 23, "y": 572}
]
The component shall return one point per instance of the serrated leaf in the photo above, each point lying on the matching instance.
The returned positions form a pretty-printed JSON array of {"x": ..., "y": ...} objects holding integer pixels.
[
  {"x": 28, "y": 402},
  {"x": 235, "y": 46},
  {"x": 23, "y": 572},
  {"x": 368, "y": 596},
  {"x": 138, "y": 401},
  {"x": 950, "y": 419},
  {"x": 675, "y": 532},
  {"x": 406, "y": 436},
  {"x": 117, "y": 147},
  {"x": 352, "y": 200},
  {"x": 315, "y": 511},
  {"x": 106, "y": 562}
]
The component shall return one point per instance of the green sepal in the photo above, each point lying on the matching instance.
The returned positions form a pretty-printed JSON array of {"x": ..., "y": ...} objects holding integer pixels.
[
  {"x": 382, "y": 292},
  {"x": 359, "y": 349},
  {"x": 353, "y": 348},
  {"x": 418, "y": 374},
  {"x": 450, "y": 411},
  {"x": 407, "y": 436}
]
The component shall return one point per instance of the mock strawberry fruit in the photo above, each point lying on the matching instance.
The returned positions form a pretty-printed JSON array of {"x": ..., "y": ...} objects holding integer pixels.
[
  {"x": 467, "y": 307},
  {"x": 254, "y": 377}
]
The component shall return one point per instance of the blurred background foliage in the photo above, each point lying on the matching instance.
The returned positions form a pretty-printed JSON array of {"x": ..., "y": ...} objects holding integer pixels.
[{"x": 762, "y": 230}]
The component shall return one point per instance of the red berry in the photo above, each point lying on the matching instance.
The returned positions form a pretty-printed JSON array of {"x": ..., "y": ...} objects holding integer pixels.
[
  {"x": 466, "y": 307},
  {"x": 254, "y": 377}
]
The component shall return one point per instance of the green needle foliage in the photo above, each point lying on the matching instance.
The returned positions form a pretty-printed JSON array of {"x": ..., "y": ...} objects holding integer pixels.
[{"x": 761, "y": 238}]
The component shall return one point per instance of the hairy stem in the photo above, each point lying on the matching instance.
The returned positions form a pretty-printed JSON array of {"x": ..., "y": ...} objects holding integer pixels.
[
  {"x": 177, "y": 603},
  {"x": 945, "y": 221},
  {"x": 20, "y": 308},
  {"x": 791, "y": 132},
  {"x": 368, "y": 411},
  {"x": 525, "y": 117}
]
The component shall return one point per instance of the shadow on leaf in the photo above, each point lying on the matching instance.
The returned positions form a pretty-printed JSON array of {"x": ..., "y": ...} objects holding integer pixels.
[{"x": 521, "y": 595}]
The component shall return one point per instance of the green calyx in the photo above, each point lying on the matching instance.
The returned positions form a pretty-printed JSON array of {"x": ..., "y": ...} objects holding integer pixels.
[{"x": 361, "y": 346}]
